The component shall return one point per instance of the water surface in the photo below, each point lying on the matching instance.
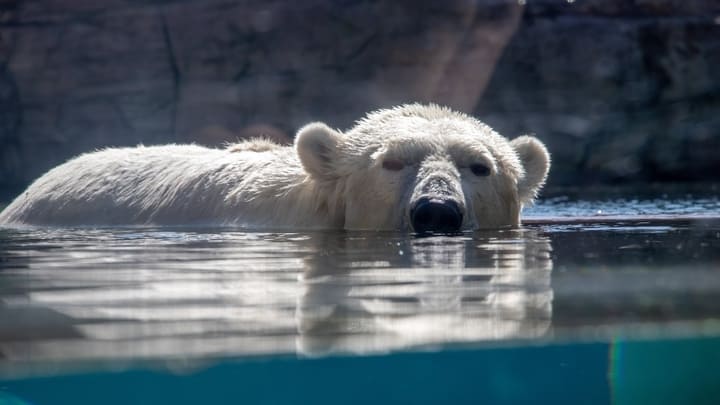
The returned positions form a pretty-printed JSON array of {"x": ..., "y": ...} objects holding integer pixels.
[{"x": 579, "y": 271}]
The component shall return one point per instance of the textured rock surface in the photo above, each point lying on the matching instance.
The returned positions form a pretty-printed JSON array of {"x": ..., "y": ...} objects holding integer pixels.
[
  {"x": 82, "y": 75},
  {"x": 620, "y": 90}
]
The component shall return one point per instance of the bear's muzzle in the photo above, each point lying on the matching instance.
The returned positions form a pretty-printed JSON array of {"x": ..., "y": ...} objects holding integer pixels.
[{"x": 436, "y": 215}]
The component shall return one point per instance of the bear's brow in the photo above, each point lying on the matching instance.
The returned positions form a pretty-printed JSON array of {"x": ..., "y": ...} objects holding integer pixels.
[
  {"x": 465, "y": 154},
  {"x": 414, "y": 151},
  {"x": 410, "y": 151}
]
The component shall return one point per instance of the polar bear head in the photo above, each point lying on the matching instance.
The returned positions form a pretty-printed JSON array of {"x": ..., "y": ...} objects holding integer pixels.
[{"x": 423, "y": 168}]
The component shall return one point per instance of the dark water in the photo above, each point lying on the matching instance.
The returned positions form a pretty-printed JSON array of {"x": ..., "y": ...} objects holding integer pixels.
[{"x": 548, "y": 307}]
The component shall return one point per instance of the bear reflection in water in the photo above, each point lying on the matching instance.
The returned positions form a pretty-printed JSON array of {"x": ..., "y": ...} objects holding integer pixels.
[
  {"x": 125, "y": 294},
  {"x": 434, "y": 291}
]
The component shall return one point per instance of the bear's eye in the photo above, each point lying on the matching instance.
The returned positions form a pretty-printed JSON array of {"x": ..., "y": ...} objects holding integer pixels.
[
  {"x": 392, "y": 164},
  {"x": 480, "y": 169}
]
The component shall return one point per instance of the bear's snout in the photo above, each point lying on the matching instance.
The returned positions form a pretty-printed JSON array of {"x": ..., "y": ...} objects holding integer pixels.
[{"x": 436, "y": 215}]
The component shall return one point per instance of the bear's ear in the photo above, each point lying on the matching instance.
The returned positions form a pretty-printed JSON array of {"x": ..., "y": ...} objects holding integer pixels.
[
  {"x": 536, "y": 162},
  {"x": 317, "y": 147}
]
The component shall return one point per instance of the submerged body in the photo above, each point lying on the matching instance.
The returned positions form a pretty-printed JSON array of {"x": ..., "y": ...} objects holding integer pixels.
[
  {"x": 414, "y": 167},
  {"x": 173, "y": 184}
]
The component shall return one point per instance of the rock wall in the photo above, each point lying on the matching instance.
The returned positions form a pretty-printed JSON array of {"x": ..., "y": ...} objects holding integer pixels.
[{"x": 620, "y": 90}]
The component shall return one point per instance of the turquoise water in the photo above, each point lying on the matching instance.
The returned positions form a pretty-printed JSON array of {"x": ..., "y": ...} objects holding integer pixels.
[
  {"x": 680, "y": 371},
  {"x": 593, "y": 301}
]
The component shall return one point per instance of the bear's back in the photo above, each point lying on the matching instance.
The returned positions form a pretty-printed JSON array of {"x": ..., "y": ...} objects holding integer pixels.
[{"x": 129, "y": 186}]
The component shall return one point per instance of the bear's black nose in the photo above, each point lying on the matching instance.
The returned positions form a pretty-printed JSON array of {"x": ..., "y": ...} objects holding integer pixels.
[{"x": 435, "y": 215}]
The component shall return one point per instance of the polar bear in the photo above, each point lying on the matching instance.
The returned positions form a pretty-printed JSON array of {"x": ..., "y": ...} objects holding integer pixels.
[{"x": 421, "y": 168}]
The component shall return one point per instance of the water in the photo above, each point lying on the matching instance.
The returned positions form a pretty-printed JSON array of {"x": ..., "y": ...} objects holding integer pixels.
[
  {"x": 667, "y": 206},
  {"x": 558, "y": 301}
]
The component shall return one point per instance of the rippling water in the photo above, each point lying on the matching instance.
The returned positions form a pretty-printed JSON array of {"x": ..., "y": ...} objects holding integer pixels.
[
  {"x": 113, "y": 295},
  {"x": 666, "y": 205}
]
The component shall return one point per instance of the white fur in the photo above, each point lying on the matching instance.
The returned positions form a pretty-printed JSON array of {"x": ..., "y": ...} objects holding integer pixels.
[
  {"x": 327, "y": 180},
  {"x": 536, "y": 161}
]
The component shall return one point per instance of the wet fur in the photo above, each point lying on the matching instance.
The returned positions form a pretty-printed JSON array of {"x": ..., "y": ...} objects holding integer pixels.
[{"x": 328, "y": 179}]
